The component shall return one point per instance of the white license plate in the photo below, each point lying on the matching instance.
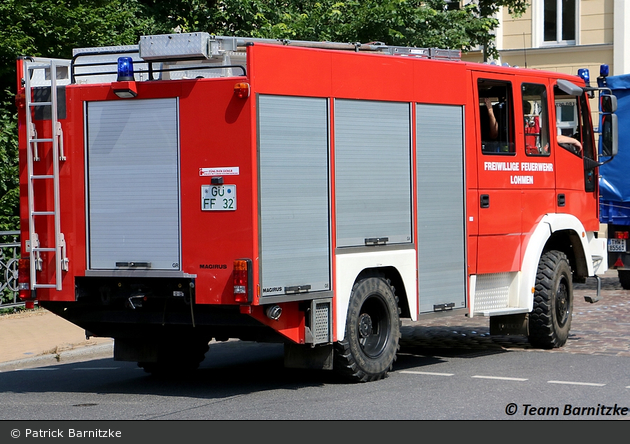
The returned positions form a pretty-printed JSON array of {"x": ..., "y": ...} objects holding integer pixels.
[
  {"x": 617, "y": 245},
  {"x": 218, "y": 197}
]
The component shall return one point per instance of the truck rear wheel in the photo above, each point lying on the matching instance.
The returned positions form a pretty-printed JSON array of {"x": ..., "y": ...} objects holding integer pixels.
[
  {"x": 372, "y": 337},
  {"x": 624, "y": 279},
  {"x": 550, "y": 319},
  {"x": 176, "y": 357}
]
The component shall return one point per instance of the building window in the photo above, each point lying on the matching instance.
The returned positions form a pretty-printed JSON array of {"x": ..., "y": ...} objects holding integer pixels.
[
  {"x": 453, "y": 5},
  {"x": 559, "y": 21}
]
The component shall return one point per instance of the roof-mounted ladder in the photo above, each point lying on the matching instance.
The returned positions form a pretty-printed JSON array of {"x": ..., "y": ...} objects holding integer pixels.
[{"x": 53, "y": 70}]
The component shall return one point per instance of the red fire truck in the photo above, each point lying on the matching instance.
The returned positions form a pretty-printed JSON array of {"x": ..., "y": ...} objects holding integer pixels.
[{"x": 194, "y": 188}]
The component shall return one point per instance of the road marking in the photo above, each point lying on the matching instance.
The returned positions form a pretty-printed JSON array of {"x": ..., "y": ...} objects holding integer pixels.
[
  {"x": 96, "y": 368},
  {"x": 37, "y": 369},
  {"x": 593, "y": 384},
  {"x": 412, "y": 372},
  {"x": 501, "y": 378}
]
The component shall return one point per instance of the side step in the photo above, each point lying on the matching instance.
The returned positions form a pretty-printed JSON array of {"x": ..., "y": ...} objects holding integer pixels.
[{"x": 591, "y": 299}]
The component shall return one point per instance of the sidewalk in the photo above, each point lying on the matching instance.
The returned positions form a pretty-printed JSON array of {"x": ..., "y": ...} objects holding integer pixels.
[
  {"x": 39, "y": 337},
  {"x": 602, "y": 328}
]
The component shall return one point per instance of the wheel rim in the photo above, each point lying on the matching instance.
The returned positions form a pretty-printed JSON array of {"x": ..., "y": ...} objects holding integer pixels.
[
  {"x": 563, "y": 304},
  {"x": 373, "y": 327}
]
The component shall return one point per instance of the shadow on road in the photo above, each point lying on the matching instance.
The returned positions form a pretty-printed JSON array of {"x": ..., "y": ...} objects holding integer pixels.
[{"x": 237, "y": 368}]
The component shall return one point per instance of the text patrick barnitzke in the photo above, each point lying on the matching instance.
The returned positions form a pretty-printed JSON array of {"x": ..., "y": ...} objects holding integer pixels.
[{"x": 66, "y": 433}]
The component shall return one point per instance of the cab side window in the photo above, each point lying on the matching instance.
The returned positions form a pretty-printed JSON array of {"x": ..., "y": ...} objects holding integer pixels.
[
  {"x": 535, "y": 119},
  {"x": 569, "y": 121},
  {"x": 496, "y": 111}
]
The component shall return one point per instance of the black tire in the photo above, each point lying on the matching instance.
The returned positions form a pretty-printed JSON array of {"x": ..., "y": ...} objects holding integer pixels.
[
  {"x": 176, "y": 358},
  {"x": 372, "y": 336},
  {"x": 550, "y": 319},
  {"x": 624, "y": 278}
]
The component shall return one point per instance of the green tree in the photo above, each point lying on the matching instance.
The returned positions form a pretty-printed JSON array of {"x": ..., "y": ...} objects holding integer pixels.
[
  {"x": 428, "y": 23},
  {"x": 402, "y": 22},
  {"x": 51, "y": 28},
  {"x": 9, "y": 193}
]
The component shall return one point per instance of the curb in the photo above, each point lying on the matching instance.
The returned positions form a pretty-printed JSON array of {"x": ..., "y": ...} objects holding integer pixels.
[{"x": 81, "y": 354}]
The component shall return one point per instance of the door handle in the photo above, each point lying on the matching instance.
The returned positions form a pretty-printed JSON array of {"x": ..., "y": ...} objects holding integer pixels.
[
  {"x": 484, "y": 201},
  {"x": 561, "y": 200}
]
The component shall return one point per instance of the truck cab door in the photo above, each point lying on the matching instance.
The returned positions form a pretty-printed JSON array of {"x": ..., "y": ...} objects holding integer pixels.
[
  {"x": 574, "y": 144},
  {"x": 538, "y": 165},
  {"x": 499, "y": 201}
]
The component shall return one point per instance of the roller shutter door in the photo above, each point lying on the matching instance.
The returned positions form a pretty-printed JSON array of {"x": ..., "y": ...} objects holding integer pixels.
[
  {"x": 294, "y": 195},
  {"x": 133, "y": 184}
]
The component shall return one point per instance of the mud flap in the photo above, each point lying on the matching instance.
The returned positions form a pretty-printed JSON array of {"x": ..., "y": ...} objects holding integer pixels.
[{"x": 304, "y": 356}]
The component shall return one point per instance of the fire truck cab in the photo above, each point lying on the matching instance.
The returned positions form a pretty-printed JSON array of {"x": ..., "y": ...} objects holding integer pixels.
[{"x": 195, "y": 187}]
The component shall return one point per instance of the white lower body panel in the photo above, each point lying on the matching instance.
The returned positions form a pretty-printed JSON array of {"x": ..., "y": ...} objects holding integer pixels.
[{"x": 349, "y": 266}]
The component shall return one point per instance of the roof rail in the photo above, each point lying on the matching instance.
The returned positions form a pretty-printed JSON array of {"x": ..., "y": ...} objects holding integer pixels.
[
  {"x": 199, "y": 54},
  {"x": 202, "y": 45}
]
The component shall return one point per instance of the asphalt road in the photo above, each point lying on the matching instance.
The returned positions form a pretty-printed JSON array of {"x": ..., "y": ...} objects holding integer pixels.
[
  {"x": 448, "y": 369},
  {"x": 247, "y": 381}
]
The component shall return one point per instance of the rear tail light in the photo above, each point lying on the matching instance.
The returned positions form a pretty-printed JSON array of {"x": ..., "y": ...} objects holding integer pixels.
[
  {"x": 243, "y": 280},
  {"x": 621, "y": 235},
  {"x": 20, "y": 100},
  {"x": 24, "y": 278}
]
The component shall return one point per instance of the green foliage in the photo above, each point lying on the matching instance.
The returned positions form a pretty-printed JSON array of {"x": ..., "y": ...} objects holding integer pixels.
[
  {"x": 429, "y": 23},
  {"x": 180, "y": 15},
  {"x": 51, "y": 28},
  {"x": 9, "y": 192},
  {"x": 393, "y": 22}
]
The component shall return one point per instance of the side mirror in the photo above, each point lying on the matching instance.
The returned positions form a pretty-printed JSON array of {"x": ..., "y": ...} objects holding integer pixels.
[
  {"x": 608, "y": 139},
  {"x": 607, "y": 103},
  {"x": 570, "y": 88}
]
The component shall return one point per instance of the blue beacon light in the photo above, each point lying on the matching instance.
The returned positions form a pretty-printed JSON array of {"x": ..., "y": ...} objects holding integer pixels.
[
  {"x": 585, "y": 74},
  {"x": 125, "y": 69},
  {"x": 603, "y": 73}
]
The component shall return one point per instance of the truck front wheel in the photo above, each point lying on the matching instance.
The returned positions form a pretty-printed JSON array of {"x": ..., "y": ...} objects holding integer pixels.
[
  {"x": 372, "y": 336},
  {"x": 550, "y": 319}
]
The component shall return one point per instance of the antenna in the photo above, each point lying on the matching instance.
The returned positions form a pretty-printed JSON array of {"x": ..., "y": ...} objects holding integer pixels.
[{"x": 524, "y": 50}]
